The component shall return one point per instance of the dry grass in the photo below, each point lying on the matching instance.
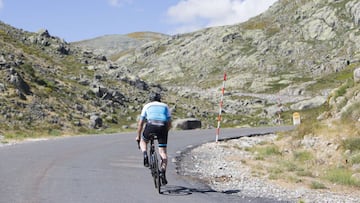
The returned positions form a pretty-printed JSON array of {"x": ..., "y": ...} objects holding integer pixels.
[{"x": 322, "y": 159}]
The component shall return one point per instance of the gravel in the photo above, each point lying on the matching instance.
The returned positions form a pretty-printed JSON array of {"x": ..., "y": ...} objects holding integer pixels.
[{"x": 210, "y": 163}]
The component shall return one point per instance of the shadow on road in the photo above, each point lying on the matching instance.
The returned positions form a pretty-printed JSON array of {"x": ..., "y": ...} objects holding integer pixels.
[{"x": 174, "y": 190}]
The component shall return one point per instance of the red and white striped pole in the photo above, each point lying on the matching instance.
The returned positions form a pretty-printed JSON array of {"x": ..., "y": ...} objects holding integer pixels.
[{"x": 220, "y": 109}]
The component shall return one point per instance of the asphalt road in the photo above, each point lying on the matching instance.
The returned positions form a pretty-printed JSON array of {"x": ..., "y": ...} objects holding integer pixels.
[{"x": 104, "y": 169}]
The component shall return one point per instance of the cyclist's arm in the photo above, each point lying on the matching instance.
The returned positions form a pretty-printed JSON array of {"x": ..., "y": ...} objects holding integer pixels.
[
  {"x": 169, "y": 124},
  {"x": 140, "y": 128},
  {"x": 168, "y": 116}
]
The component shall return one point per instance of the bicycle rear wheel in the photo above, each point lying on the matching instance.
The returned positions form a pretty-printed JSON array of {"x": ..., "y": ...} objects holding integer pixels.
[
  {"x": 156, "y": 172},
  {"x": 159, "y": 182}
]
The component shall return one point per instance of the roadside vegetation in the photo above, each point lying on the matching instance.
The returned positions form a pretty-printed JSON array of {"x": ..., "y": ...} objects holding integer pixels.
[
  {"x": 322, "y": 159},
  {"x": 321, "y": 153}
]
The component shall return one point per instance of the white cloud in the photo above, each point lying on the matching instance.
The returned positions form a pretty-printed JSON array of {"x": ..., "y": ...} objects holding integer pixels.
[
  {"x": 1, "y": 4},
  {"x": 118, "y": 3},
  {"x": 190, "y": 15}
]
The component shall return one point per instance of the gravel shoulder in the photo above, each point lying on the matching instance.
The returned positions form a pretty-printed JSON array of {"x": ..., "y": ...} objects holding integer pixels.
[{"x": 223, "y": 167}]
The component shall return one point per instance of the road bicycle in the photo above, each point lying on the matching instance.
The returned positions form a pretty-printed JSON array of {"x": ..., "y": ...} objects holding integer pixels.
[{"x": 154, "y": 163}]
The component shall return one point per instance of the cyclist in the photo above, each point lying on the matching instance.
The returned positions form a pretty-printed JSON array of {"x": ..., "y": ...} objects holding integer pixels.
[{"x": 157, "y": 117}]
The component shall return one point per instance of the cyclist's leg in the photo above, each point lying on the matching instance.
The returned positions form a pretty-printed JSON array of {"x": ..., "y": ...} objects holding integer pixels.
[
  {"x": 144, "y": 143},
  {"x": 164, "y": 158},
  {"x": 162, "y": 140},
  {"x": 145, "y": 138}
]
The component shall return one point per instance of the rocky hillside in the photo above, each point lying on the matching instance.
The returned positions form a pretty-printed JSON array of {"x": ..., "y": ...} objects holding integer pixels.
[
  {"x": 290, "y": 58},
  {"x": 298, "y": 38},
  {"x": 49, "y": 87}
]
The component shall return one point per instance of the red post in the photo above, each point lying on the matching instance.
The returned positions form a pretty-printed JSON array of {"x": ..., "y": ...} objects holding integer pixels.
[{"x": 220, "y": 108}]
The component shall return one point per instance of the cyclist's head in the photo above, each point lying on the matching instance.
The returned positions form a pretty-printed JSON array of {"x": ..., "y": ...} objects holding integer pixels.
[{"x": 154, "y": 96}]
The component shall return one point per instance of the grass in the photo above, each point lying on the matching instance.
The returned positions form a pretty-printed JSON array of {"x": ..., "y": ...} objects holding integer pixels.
[
  {"x": 275, "y": 87},
  {"x": 301, "y": 165},
  {"x": 352, "y": 144},
  {"x": 20, "y": 133},
  {"x": 143, "y": 35},
  {"x": 355, "y": 158},
  {"x": 289, "y": 165},
  {"x": 309, "y": 123},
  {"x": 317, "y": 185},
  {"x": 256, "y": 24},
  {"x": 116, "y": 56},
  {"x": 262, "y": 152},
  {"x": 343, "y": 88},
  {"x": 341, "y": 176},
  {"x": 352, "y": 112},
  {"x": 306, "y": 173},
  {"x": 334, "y": 80},
  {"x": 160, "y": 50},
  {"x": 275, "y": 171},
  {"x": 302, "y": 156}
]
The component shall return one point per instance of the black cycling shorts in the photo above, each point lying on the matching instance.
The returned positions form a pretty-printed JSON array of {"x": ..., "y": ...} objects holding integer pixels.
[{"x": 160, "y": 131}]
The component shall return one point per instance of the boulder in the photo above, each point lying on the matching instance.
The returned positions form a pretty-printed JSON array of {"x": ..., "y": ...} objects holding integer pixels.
[
  {"x": 44, "y": 33},
  {"x": 19, "y": 82},
  {"x": 357, "y": 75},
  {"x": 318, "y": 29},
  {"x": 309, "y": 104},
  {"x": 356, "y": 177},
  {"x": 187, "y": 123},
  {"x": 95, "y": 121},
  {"x": 353, "y": 7}
]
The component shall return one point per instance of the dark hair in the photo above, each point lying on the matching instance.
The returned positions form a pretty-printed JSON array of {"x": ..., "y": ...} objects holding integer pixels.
[{"x": 154, "y": 96}]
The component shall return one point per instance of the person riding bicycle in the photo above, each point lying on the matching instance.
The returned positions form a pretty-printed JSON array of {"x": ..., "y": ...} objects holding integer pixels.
[{"x": 157, "y": 117}]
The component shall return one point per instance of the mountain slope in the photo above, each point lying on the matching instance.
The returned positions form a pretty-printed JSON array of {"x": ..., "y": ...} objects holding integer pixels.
[
  {"x": 110, "y": 45},
  {"x": 289, "y": 58},
  {"x": 280, "y": 57},
  {"x": 307, "y": 38},
  {"x": 49, "y": 87}
]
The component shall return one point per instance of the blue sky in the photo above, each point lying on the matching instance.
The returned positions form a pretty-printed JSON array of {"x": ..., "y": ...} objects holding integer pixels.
[{"x": 75, "y": 20}]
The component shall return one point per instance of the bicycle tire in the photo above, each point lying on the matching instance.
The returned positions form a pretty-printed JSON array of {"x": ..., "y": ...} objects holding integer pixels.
[
  {"x": 155, "y": 170},
  {"x": 154, "y": 167},
  {"x": 157, "y": 176},
  {"x": 159, "y": 182}
]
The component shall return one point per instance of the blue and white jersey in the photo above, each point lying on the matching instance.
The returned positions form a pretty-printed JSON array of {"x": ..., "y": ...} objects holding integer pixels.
[{"x": 157, "y": 111}]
